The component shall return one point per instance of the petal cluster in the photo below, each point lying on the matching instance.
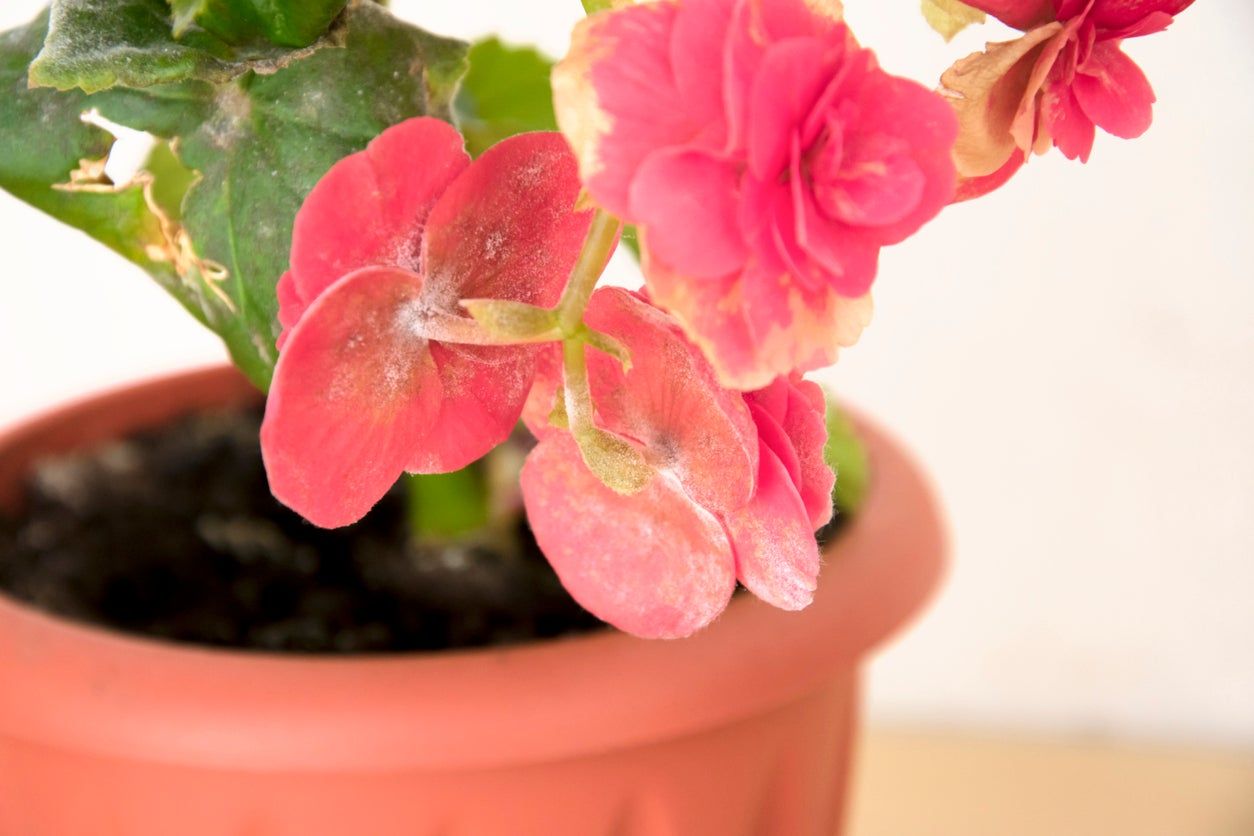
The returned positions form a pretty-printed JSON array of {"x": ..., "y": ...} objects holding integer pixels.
[
  {"x": 738, "y": 486},
  {"x": 1054, "y": 86},
  {"x": 379, "y": 372},
  {"x": 766, "y": 158}
]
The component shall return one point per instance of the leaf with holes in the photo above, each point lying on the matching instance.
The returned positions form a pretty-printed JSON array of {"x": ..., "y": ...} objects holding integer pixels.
[{"x": 43, "y": 145}]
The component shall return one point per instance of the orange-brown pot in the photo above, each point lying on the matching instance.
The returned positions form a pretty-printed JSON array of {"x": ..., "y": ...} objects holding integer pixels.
[{"x": 746, "y": 728}]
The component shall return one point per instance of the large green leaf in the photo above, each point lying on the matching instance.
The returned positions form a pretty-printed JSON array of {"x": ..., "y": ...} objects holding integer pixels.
[
  {"x": 292, "y": 23},
  {"x": 506, "y": 91},
  {"x": 42, "y": 141},
  {"x": 96, "y": 44},
  {"x": 259, "y": 143}
]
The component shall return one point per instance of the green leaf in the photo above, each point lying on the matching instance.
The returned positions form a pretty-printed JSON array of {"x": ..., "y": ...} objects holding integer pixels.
[
  {"x": 43, "y": 140},
  {"x": 96, "y": 44},
  {"x": 506, "y": 91},
  {"x": 846, "y": 454},
  {"x": 444, "y": 506},
  {"x": 258, "y": 143},
  {"x": 291, "y": 23},
  {"x": 594, "y": 6},
  {"x": 949, "y": 17}
]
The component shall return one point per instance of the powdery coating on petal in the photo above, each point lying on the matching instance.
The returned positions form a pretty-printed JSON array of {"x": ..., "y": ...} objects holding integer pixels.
[
  {"x": 506, "y": 227},
  {"x": 1113, "y": 92},
  {"x": 670, "y": 403},
  {"x": 354, "y": 393},
  {"x": 777, "y": 558},
  {"x": 484, "y": 390},
  {"x": 654, "y": 564},
  {"x": 370, "y": 208},
  {"x": 748, "y": 349}
]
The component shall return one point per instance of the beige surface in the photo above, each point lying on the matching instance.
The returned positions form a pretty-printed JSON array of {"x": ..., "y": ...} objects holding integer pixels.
[{"x": 928, "y": 784}]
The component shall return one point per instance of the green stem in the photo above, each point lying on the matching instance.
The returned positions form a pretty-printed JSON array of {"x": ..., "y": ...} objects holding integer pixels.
[{"x": 602, "y": 236}]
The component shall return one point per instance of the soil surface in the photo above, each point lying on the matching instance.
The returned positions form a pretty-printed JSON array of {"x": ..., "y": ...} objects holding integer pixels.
[{"x": 174, "y": 534}]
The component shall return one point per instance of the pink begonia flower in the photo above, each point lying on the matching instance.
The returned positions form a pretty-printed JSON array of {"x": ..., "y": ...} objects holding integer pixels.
[
  {"x": 373, "y": 379},
  {"x": 766, "y": 159},
  {"x": 1053, "y": 87},
  {"x": 739, "y": 482}
]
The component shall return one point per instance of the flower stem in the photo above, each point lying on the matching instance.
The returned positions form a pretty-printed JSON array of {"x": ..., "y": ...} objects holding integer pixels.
[{"x": 602, "y": 236}]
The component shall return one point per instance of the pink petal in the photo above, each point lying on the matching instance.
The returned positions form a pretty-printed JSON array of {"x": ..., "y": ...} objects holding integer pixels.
[
  {"x": 506, "y": 227},
  {"x": 484, "y": 389},
  {"x": 792, "y": 76},
  {"x": 609, "y": 93},
  {"x": 687, "y": 200},
  {"x": 696, "y": 55},
  {"x": 354, "y": 393},
  {"x": 369, "y": 209},
  {"x": 670, "y": 402},
  {"x": 880, "y": 190},
  {"x": 749, "y": 349},
  {"x": 923, "y": 128},
  {"x": 800, "y": 410},
  {"x": 777, "y": 20},
  {"x": 777, "y": 558},
  {"x": 654, "y": 564},
  {"x": 1071, "y": 130},
  {"x": 1114, "y": 93},
  {"x": 773, "y": 437},
  {"x": 1021, "y": 14}
]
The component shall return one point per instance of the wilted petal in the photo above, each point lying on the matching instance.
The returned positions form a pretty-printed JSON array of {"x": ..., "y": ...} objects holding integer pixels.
[
  {"x": 370, "y": 207},
  {"x": 654, "y": 564},
  {"x": 987, "y": 90},
  {"x": 354, "y": 393},
  {"x": 777, "y": 558},
  {"x": 1114, "y": 93}
]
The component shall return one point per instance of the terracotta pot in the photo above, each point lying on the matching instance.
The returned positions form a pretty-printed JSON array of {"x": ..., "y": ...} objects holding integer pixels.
[{"x": 747, "y": 728}]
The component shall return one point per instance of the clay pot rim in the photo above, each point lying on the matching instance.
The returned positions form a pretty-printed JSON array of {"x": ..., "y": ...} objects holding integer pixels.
[{"x": 75, "y": 686}]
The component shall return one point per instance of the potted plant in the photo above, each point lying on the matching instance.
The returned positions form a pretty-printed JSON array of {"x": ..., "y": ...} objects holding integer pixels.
[{"x": 401, "y": 238}]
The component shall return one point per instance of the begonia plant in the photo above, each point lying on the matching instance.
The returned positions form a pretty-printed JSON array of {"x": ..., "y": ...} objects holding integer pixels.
[{"x": 401, "y": 236}]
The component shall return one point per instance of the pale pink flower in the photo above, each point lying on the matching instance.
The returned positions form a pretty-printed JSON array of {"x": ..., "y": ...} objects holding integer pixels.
[
  {"x": 739, "y": 482},
  {"x": 766, "y": 158}
]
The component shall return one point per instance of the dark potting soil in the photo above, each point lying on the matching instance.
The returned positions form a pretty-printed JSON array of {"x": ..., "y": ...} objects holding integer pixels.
[{"x": 174, "y": 534}]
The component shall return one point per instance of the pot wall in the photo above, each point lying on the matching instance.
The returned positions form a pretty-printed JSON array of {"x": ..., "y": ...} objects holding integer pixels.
[{"x": 746, "y": 728}]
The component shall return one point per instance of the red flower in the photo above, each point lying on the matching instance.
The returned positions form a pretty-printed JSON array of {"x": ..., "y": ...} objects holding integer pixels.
[
  {"x": 378, "y": 371},
  {"x": 1053, "y": 87},
  {"x": 739, "y": 483}
]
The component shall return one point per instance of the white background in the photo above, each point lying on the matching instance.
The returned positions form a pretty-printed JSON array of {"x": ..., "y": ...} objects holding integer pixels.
[{"x": 1072, "y": 358}]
